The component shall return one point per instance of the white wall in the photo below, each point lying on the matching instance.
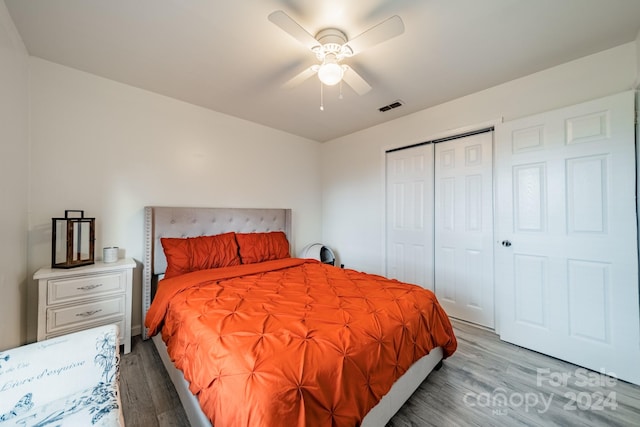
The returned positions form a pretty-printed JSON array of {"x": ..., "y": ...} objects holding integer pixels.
[
  {"x": 111, "y": 149},
  {"x": 637, "y": 84},
  {"x": 637, "y": 87},
  {"x": 13, "y": 183},
  {"x": 353, "y": 194}
]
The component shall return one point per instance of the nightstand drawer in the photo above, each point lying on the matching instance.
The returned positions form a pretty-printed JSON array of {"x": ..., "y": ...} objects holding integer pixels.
[
  {"x": 81, "y": 287},
  {"x": 81, "y": 315}
]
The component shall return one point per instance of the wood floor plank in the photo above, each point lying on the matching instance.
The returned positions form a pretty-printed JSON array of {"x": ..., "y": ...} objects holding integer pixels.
[
  {"x": 163, "y": 391},
  {"x": 137, "y": 406},
  {"x": 466, "y": 391}
]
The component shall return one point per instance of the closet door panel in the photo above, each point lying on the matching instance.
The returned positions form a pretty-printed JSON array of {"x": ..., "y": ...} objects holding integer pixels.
[
  {"x": 409, "y": 213},
  {"x": 463, "y": 237}
]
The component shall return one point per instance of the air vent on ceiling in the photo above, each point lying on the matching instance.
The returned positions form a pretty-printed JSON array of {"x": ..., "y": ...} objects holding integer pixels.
[{"x": 391, "y": 106}]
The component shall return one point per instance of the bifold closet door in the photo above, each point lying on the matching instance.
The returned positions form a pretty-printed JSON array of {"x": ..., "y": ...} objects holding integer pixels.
[
  {"x": 409, "y": 223},
  {"x": 464, "y": 228},
  {"x": 567, "y": 274}
]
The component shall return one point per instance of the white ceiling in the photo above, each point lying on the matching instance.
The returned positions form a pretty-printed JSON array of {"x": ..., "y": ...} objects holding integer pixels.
[{"x": 227, "y": 56}]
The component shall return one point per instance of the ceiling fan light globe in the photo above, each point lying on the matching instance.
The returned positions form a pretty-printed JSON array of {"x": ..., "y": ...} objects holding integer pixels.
[{"x": 330, "y": 74}]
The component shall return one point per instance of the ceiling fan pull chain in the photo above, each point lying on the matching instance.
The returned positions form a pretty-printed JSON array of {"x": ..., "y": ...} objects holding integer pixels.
[
  {"x": 321, "y": 97},
  {"x": 340, "y": 96}
]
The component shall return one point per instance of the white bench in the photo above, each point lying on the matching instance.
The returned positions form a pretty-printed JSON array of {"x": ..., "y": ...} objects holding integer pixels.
[{"x": 71, "y": 380}]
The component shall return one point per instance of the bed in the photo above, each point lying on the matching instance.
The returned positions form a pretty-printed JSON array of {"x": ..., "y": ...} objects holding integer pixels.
[
  {"x": 274, "y": 340},
  {"x": 71, "y": 380}
]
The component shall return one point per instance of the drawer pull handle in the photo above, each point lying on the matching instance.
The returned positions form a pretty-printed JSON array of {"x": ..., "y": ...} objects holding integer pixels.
[
  {"x": 88, "y": 313},
  {"x": 89, "y": 287}
]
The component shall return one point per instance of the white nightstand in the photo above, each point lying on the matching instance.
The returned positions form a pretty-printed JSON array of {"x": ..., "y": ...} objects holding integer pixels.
[{"x": 74, "y": 299}]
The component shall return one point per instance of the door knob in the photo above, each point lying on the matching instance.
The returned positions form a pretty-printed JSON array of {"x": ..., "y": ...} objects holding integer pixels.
[{"x": 506, "y": 243}]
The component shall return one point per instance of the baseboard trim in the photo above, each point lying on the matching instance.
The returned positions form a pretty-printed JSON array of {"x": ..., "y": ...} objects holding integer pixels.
[{"x": 136, "y": 330}]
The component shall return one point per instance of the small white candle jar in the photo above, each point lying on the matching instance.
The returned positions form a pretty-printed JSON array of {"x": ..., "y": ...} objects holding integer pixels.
[{"x": 110, "y": 254}]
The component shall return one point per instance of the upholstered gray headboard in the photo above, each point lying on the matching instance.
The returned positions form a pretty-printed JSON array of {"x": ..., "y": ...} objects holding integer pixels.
[{"x": 192, "y": 222}]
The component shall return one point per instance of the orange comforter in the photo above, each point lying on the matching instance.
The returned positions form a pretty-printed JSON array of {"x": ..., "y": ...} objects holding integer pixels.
[{"x": 294, "y": 342}]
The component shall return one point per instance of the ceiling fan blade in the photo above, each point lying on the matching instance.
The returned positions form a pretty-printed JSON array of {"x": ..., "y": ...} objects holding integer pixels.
[
  {"x": 384, "y": 31},
  {"x": 357, "y": 83},
  {"x": 291, "y": 27},
  {"x": 304, "y": 75}
]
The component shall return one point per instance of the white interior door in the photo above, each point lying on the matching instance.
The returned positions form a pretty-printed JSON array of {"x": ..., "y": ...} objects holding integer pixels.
[
  {"x": 464, "y": 228},
  {"x": 568, "y": 282},
  {"x": 410, "y": 215}
]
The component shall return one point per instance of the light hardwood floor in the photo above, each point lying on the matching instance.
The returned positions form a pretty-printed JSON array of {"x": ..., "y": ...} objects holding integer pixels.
[{"x": 485, "y": 383}]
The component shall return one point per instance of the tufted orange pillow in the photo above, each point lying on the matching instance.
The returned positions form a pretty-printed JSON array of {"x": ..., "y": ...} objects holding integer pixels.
[
  {"x": 259, "y": 247},
  {"x": 199, "y": 253}
]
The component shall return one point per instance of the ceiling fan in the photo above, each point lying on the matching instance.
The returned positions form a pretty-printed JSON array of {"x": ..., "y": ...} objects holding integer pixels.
[{"x": 331, "y": 46}]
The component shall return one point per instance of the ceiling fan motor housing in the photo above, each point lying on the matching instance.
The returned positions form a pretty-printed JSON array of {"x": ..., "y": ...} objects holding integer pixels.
[{"x": 332, "y": 41}]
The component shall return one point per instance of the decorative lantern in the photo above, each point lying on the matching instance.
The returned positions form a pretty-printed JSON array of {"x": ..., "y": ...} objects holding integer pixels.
[{"x": 72, "y": 243}]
